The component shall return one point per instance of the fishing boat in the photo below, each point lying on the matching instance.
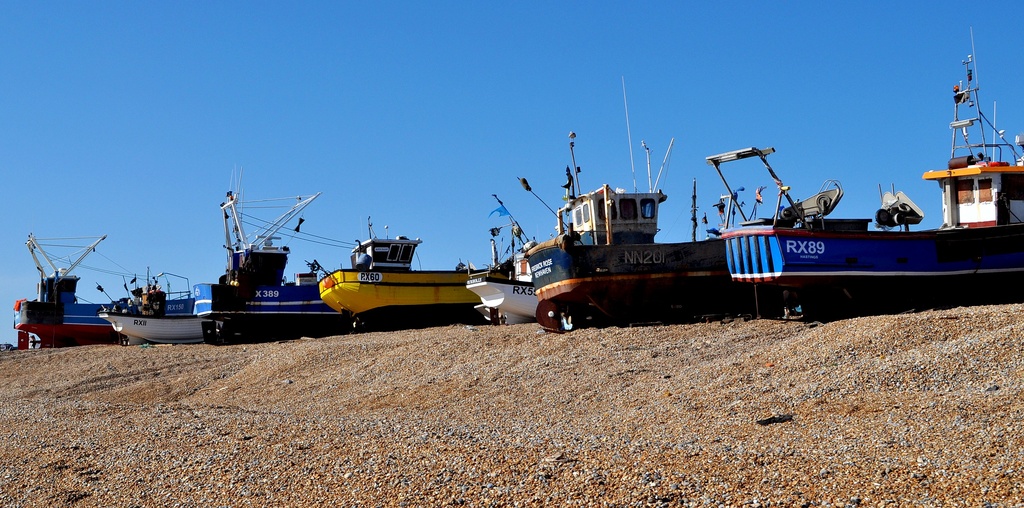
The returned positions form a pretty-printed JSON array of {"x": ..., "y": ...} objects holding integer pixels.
[
  {"x": 381, "y": 291},
  {"x": 604, "y": 266},
  {"x": 838, "y": 268},
  {"x": 155, "y": 316},
  {"x": 252, "y": 301},
  {"x": 56, "y": 318},
  {"x": 506, "y": 288}
]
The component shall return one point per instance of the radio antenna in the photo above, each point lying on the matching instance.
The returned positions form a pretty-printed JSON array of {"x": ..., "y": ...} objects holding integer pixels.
[
  {"x": 629, "y": 137},
  {"x": 664, "y": 163},
  {"x": 977, "y": 81}
]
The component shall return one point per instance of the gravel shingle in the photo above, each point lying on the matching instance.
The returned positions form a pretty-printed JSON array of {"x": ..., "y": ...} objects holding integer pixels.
[{"x": 915, "y": 409}]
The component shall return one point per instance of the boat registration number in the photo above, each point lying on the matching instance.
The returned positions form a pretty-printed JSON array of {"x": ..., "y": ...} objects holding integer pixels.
[
  {"x": 371, "y": 277},
  {"x": 805, "y": 247}
]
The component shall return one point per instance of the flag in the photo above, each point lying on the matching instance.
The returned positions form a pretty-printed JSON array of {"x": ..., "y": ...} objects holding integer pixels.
[
  {"x": 501, "y": 211},
  {"x": 757, "y": 194}
]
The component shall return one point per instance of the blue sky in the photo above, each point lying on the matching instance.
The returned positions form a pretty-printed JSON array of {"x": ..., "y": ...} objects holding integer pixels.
[{"x": 129, "y": 118}]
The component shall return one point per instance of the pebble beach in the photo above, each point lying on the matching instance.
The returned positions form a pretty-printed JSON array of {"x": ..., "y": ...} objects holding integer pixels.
[{"x": 920, "y": 409}]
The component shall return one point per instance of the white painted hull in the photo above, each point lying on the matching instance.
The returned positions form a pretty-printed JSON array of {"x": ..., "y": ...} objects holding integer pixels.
[
  {"x": 514, "y": 301},
  {"x": 185, "y": 329}
]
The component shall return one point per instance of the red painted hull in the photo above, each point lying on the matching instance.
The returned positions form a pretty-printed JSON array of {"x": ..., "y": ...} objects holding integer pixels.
[{"x": 68, "y": 335}]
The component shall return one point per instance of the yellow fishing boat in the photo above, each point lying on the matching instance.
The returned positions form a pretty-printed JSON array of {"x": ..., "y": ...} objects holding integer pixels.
[{"x": 382, "y": 291}]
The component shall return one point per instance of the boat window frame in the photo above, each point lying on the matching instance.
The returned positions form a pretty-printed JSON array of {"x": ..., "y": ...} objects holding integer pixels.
[
  {"x": 1012, "y": 186},
  {"x": 985, "y": 194},
  {"x": 648, "y": 208},
  {"x": 627, "y": 209},
  {"x": 962, "y": 192},
  {"x": 394, "y": 250},
  {"x": 601, "y": 207},
  {"x": 406, "y": 254}
]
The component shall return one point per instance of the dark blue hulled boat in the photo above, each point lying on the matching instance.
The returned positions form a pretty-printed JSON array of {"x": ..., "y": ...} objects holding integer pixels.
[
  {"x": 604, "y": 267},
  {"x": 837, "y": 267},
  {"x": 253, "y": 301}
]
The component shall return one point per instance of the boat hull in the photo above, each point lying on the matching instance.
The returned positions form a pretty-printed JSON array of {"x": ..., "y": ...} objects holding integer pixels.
[
  {"x": 265, "y": 313},
  {"x": 64, "y": 324},
  {"x": 184, "y": 329},
  {"x": 512, "y": 301},
  {"x": 635, "y": 282},
  {"x": 870, "y": 272},
  {"x": 395, "y": 300}
]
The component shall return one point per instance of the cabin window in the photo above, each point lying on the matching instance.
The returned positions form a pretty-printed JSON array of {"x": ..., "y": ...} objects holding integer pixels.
[
  {"x": 393, "y": 252},
  {"x": 647, "y": 208},
  {"x": 965, "y": 192},
  {"x": 406, "y": 255},
  {"x": 628, "y": 209},
  {"x": 1013, "y": 187},
  {"x": 600, "y": 209},
  {"x": 586, "y": 212},
  {"x": 985, "y": 190}
]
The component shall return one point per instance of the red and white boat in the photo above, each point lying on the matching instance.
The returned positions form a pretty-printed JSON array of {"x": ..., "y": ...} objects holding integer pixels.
[{"x": 56, "y": 318}]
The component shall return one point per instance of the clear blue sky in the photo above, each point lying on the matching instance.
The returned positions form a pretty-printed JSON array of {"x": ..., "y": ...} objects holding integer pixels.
[{"x": 128, "y": 118}]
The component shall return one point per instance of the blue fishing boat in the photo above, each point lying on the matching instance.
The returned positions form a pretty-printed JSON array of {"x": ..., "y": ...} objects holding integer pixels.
[
  {"x": 837, "y": 267},
  {"x": 253, "y": 301}
]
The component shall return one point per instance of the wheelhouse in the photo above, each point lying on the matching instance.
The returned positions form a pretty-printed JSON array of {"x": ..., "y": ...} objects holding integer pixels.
[
  {"x": 980, "y": 194},
  {"x": 385, "y": 254},
  {"x": 605, "y": 216}
]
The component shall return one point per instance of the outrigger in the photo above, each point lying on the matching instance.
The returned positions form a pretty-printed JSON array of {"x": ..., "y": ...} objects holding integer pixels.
[
  {"x": 56, "y": 318},
  {"x": 253, "y": 301}
]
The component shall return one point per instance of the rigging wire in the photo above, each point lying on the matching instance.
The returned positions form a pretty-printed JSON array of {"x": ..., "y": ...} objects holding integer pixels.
[
  {"x": 115, "y": 262},
  {"x": 108, "y": 271},
  {"x": 253, "y": 221}
]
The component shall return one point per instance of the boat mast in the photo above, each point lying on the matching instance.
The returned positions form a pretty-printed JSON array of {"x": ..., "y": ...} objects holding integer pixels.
[
  {"x": 693, "y": 211},
  {"x": 650, "y": 187},
  {"x": 232, "y": 223},
  {"x": 517, "y": 230},
  {"x": 575, "y": 174},
  {"x": 969, "y": 95}
]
